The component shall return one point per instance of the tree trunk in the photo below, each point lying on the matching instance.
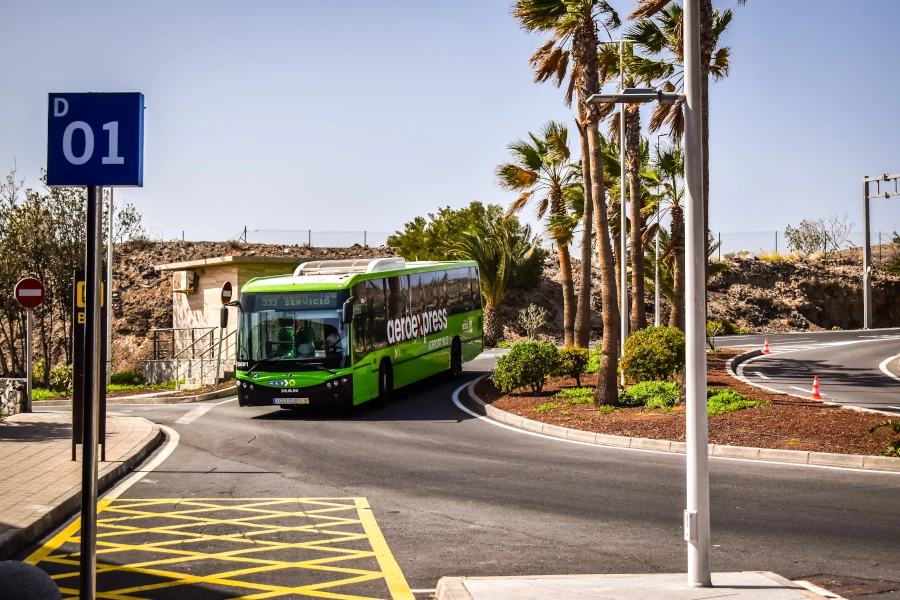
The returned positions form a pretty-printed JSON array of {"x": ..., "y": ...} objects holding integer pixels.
[
  {"x": 676, "y": 318},
  {"x": 583, "y": 313},
  {"x": 633, "y": 152},
  {"x": 568, "y": 286},
  {"x": 584, "y": 45},
  {"x": 493, "y": 329}
]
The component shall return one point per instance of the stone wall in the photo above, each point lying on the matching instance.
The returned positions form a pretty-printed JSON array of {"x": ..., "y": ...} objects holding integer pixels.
[{"x": 12, "y": 395}]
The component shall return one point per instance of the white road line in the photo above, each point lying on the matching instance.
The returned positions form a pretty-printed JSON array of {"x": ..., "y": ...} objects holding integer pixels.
[
  {"x": 465, "y": 409},
  {"x": 171, "y": 443},
  {"x": 799, "y": 389},
  {"x": 198, "y": 412},
  {"x": 884, "y": 367},
  {"x": 758, "y": 374}
]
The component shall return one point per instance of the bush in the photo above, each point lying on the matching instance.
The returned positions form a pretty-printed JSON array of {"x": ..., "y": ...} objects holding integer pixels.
[
  {"x": 38, "y": 394},
  {"x": 572, "y": 362},
  {"x": 654, "y": 354},
  {"x": 652, "y": 394},
  {"x": 503, "y": 344},
  {"x": 527, "y": 364},
  {"x": 38, "y": 369},
  {"x": 578, "y": 395},
  {"x": 61, "y": 378},
  {"x": 721, "y": 401},
  {"x": 546, "y": 407},
  {"x": 127, "y": 378},
  {"x": 531, "y": 319},
  {"x": 593, "y": 364}
]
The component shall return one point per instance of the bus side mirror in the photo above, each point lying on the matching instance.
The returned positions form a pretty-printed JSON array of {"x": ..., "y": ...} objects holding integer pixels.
[
  {"x": 223, "y": 318},
  {"x": 347, "y": 311}
]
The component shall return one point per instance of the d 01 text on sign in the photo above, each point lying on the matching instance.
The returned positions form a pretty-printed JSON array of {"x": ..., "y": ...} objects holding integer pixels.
[{"x": 95, "y": 139}]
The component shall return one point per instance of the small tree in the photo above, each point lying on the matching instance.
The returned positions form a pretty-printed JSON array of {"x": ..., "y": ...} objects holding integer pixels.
[
  {"x": 572, "y": 362},
  {"x": 807, "y": 237},
  {"x": 531, "y": 319}
]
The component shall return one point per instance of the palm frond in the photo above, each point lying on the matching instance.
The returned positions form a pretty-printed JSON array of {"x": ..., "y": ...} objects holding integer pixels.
[
  {"x": 514, "y": 178},
  {"x": 647, "y": 8}
]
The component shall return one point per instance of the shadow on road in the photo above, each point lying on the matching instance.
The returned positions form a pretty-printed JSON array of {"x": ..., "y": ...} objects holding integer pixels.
[
  {"x": 426, "y": 400},
  {"x": 831, "y": 375}
]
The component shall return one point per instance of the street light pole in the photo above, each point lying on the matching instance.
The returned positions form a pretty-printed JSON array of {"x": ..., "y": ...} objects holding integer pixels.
[
  {"x": 656, "y": 254},
  {"x": 696, "y": 517},
  {"x": 623, "y": 234}
]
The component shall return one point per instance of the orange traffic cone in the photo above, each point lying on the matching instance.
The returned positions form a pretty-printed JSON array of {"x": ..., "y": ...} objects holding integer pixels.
[
  {"x": 766, "y": 347},
  {"x": 815, "y": 391}
]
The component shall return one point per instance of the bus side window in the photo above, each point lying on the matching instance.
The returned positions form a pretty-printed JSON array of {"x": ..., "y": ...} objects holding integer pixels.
[
  {"x": 377, "y": 319},
  {"x": 476, "y": 289},
  {"x": 360, "y": 318}
]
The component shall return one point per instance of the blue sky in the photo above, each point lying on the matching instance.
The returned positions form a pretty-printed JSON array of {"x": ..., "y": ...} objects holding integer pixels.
[{"x": 360, "y": 115}]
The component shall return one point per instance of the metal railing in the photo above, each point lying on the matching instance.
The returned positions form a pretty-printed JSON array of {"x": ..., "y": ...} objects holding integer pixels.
[
  {"x": 199, "y": 361},
  {"x": 169, "y": 342}
]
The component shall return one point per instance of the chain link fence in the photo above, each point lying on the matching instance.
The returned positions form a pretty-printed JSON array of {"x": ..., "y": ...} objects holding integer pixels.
[
  {"x": 763, "y": 242},
  {"x": 313, "y": 239}
]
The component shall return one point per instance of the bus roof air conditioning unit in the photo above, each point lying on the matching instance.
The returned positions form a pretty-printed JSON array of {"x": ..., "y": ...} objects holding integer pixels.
[
  {"x": 360, "y": 265},
  {"x": 184, "y": 282}
]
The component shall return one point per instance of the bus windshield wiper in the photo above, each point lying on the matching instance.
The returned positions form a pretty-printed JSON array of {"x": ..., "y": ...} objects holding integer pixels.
[{"x": 320, "y": 367}]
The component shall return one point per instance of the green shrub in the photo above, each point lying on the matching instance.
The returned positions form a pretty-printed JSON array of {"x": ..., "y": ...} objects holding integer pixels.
[
  {"x": 503, "y": 344},
  {"x": 578, "y": 395},
  {"x": 127, "y": 378},
  {"x": 38, "y": 394},
  {"x": 654, "y": 354},
  {"x": 892, "y": 449},
  {"x": 546, "y": 407},
  {"x": 526, "y": 364},
  {"x": 571, "y": 362},
  {"x": 61, "y": 378},
  {"x": 607, "y": 409},
  {"x": 652, "y": 394},
  {"x": 38, "y": 369},
  {"x": 123, "y": 387},
  {"x": 721, "y": 401},
  {"x": 593, "y": 364}
]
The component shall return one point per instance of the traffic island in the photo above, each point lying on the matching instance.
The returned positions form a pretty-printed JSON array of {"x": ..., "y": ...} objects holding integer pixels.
[
  {"x": 40, "y": 484},
  {"x": 736, "y": 586},
  {"x": 770, "y": 426}
]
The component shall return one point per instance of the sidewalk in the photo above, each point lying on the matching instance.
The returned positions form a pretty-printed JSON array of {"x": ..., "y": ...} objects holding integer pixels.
[
  {"x": 734, "y": 586},
  {"x": 40, "y": 485}
]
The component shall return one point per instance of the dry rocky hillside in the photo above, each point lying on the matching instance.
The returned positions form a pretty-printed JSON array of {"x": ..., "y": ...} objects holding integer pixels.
[{"x": 753, "y": 294}]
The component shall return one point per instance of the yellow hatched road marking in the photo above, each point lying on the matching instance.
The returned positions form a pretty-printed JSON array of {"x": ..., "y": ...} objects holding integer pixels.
[{"x": 330, "y": 522}]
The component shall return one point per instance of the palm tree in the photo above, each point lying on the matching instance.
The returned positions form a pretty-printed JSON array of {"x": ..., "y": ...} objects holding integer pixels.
[
  {"x": 573, "y": 27},
  {"x": 635, "y": 74},
  {"x": 501, "y": 247},
  {"x": 665, "y": 36},
  {"x": 542, "y": 171},
  {"x": 666, "y": 173}
]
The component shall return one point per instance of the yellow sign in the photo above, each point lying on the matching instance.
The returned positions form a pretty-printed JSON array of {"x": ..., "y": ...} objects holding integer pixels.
[{"x": 81, "y": 295}]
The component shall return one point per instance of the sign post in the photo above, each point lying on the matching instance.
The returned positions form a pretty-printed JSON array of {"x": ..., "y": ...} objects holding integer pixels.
[
  {"x": 93, "y": 140},
  {"x": 223, "y": 324},
  {"x": 29, "y": 294}
]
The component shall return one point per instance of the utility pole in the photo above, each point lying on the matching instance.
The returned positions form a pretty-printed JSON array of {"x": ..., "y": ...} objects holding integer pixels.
[
  {"x": 109, "y": 286},
  {"x": 624, "y": 312},
  {"x": 696, "y": 517}
]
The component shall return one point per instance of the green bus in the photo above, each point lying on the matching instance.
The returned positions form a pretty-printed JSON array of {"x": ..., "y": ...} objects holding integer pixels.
[{"x": 343, "y": 332}]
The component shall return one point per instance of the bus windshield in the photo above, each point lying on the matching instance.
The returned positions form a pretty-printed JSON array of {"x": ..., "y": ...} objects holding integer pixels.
[{"x": 297, "y": 326}]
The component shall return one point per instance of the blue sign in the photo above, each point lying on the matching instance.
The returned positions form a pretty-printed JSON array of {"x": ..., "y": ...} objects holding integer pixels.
[{"x": 96, "y": 139}]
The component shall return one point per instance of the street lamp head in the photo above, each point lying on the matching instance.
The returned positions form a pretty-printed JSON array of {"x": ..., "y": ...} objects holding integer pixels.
[{"x": 635, "y": 96}]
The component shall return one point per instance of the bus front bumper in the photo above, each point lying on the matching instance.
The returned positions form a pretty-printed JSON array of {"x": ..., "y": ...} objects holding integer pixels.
[{"x": 338, "y": 392}]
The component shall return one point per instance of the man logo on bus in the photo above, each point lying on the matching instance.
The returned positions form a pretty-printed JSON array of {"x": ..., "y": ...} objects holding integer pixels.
[{"x": 413, "y": 326}]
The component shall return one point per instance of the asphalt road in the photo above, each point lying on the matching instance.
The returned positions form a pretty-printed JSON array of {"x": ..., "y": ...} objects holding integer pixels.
[
  {"x": 455, "y": 495},
  {"x": 849, "y": 365}
]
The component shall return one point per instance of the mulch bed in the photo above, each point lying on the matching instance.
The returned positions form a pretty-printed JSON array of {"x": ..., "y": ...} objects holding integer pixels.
[{"x": 789, "y": 423}]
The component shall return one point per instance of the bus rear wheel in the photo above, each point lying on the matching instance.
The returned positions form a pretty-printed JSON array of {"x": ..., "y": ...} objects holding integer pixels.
[
  {"x": 455, "y": 359},
  {"x": 385, "y": 381}
]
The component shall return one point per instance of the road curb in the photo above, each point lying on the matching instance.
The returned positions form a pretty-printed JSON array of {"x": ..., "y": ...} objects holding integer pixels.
[
  {"x": 15, "y": 540},
  {"x": 231, "y": 391},
  {"x": 822, "y": 459}
]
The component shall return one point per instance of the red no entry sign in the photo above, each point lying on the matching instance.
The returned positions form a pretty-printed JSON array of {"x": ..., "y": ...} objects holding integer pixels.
[
  {"x": 30, "y": 292},
  {"x": 226, "y": 292}
]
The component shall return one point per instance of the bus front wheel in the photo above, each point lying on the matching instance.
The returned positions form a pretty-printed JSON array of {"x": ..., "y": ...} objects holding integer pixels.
[{"x": 385, "y": 380}]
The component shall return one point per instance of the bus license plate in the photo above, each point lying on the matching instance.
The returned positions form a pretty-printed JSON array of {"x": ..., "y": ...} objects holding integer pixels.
[{"x": 291, "y": 400}]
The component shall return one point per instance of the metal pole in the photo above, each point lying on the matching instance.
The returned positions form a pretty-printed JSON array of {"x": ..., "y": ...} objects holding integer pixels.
[
  {"x": 219, "y": 357},
  {"x": 656, "y": 255},
  {"x": 29, "y": 361},
  {"x": 623, "y": 251},
  {"x": 696, "y": 517},
  {"x": 720, "y": 246},
  {"x": 776, "y": 242},
  {"x": 91, "y": 421},
  {"x": 109, "y": 286},
  {"x": 867, "y": 261}
]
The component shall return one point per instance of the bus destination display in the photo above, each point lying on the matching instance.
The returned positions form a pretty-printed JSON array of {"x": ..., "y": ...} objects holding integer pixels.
[{"x": 296, "y": 301}]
